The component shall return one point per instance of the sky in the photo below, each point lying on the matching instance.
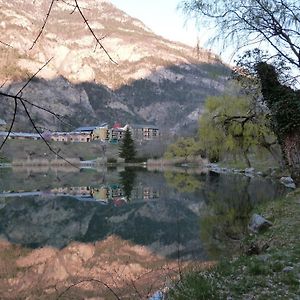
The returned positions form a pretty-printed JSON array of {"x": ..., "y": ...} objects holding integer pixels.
[{"x": 162, "y": 17}]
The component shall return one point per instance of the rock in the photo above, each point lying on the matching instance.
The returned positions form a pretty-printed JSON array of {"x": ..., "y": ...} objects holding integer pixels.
[
  {"x": 264, "y": 257},
  {"x": 287, "y": 269},
  {"x": 215, "y": 168},
  {"x": 153, "y": 66},
  {"x": 249, "y": 170},
  {"x": 157, "y": 296},
  {"x": 256, "y": 248},
  {"x": 36, "y": 257},
  {"x": 288, "y": 182},
  {"x": 253, "y": 249},
  {"x": 258, "y": 223},
  {"x": 212, "y": 166}
]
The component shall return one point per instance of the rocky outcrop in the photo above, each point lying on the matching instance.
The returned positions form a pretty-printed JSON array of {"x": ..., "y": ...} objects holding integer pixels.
[{"x": 153, "y": 79}]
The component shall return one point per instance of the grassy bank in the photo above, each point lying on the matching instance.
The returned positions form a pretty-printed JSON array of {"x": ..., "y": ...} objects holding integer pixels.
[
  {"x": 38, "y": 150},
  {"x": 27, "y": 149},
  {"x": 272, "y": 273}
]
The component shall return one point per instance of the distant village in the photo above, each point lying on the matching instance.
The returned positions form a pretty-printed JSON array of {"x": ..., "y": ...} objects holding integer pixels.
[{"x": 101, "y": 132}]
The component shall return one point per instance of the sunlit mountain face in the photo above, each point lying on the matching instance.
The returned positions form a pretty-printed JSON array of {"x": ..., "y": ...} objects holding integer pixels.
[{"x": 153, "y": 80}]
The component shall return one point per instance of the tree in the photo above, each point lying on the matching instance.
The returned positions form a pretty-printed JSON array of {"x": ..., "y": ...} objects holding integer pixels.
[
  {"x": 182, "y": 148},
  {"x": 284, "y": 104},
  {"x": 17, "y": 99},
  {"x": 127, "y": 147},
  {"x": 274, "y": 24},
  {"x": 230, "y": 125},
  {"x": 271, "y": 23},
  {"x": 183, "y": 182}
]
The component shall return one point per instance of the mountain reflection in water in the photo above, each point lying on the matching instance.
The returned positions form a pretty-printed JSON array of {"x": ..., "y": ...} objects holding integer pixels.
[{"x": 132, "y": 220}]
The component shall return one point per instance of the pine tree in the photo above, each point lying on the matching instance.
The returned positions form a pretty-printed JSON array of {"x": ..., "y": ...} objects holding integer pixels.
[{"x": 127, "y": 147}]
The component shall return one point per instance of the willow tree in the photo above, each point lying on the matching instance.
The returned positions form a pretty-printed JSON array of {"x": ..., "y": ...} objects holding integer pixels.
[
  {"x": 230, "y": 125},
  {"x": 183, "y": 148},
  {"x": 268, "y": 24}
]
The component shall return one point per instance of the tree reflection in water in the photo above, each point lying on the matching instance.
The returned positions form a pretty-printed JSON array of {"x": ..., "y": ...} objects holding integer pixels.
[
  {"x": 229, "y": 201},
  {"x": 183, "y": 182},
  {"x": 127, "y": 179}
]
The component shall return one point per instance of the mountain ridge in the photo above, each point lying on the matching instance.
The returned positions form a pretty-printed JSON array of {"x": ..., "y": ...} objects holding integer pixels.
[{"x": 153, "y": 77}]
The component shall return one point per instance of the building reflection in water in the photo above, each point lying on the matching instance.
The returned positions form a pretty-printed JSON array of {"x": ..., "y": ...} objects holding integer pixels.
[{"x": 105, "y": 194}]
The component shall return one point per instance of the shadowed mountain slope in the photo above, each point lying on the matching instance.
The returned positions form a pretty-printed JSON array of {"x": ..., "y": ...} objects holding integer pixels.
[{"x": 153, "y": 79}]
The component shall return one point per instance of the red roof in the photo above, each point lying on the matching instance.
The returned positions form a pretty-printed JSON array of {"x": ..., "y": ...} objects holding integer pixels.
[{"x": 117, "y": 125}]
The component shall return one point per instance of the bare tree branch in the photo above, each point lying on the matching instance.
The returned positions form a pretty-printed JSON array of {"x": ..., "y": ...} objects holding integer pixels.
[
  {"x": 11, "y": 124},
  {"x": 44, "y": 24},
  {"x": 98, "y": 40},
  {"x": 5, "y": 44},
  {"x": 40, "y": 134},
  {"x": 18, "y": 98},
  {"x": 33, "y": 76},
  {"x": 57, "y": 116},
  {"x": 89, "y": 280}
]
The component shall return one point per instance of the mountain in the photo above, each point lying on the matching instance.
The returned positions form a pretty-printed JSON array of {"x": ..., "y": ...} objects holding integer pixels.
[{"x": 154, "y": 80}]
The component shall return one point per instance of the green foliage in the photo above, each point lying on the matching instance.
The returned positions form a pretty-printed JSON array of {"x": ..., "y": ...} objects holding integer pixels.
[
  {"x": 183, "y": 147},
  {"x": 257, "y": 277},
  {"x": 112, "y": 160},
  {"x": 194, "y": 286},
  {"x": 282, "y": 101},
  {"x": 230, "y": 125},
  {"x": 225, "y": 216},
  {"x": 127, "y": 147},
  {"x": 3, "y": 159},
  {"x": 183, "y": 182}
]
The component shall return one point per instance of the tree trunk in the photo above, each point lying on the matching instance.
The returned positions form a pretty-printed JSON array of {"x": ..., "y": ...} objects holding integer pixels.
[
  {"x": 276, "y": 156},
  {"x": 247, "y": 159},
  {"x": 291, "y": 148}
]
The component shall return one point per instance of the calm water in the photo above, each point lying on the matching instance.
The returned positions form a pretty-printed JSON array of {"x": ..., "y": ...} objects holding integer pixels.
[{"x": 169, "y": 216}]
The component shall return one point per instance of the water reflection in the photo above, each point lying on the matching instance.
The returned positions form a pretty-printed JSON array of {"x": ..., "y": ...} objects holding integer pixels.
[
  {"x": 96, "y": 224},
  {"x": 147, "y": 208}
]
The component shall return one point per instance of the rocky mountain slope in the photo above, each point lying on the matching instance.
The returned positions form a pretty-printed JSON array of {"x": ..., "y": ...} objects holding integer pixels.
[{"x": 154, "y": 80}]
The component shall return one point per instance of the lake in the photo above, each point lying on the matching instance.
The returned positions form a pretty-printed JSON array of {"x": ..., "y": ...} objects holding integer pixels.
[{"x": 117, "y": 233}]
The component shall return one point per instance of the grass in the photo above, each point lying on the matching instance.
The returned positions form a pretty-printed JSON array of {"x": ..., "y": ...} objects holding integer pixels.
[
  {"x": 23, "y": 149},
  {"x": 194, "y": 286},
  {"x": 273, "y": 274}
]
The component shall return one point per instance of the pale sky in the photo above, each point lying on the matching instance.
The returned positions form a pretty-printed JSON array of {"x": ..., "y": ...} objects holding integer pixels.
[{"x": 162, "y": 17}]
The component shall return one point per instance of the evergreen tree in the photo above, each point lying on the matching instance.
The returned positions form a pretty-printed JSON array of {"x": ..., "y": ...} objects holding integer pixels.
[{"x": 127, "y": 148}]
